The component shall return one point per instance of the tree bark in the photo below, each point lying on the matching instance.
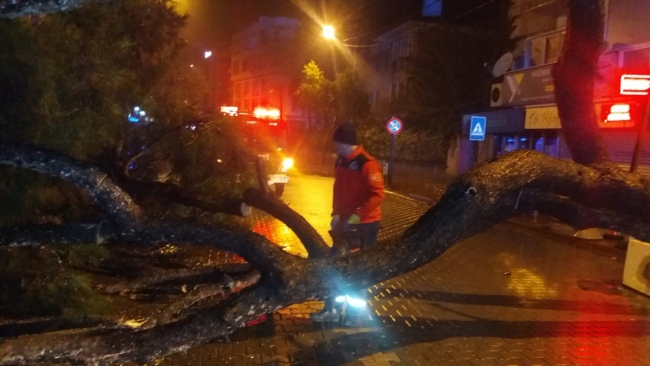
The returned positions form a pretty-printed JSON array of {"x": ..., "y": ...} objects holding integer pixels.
[
  {"x": 574, "y": 76},
  {"x": 112, "y": 199}
]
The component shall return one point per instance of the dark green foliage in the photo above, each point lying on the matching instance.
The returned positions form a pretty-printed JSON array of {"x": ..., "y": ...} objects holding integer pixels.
[
  {"x": 94, "y": 65},
  {"x": 329, "y": 101},
  {"x": 42, "y": 281},
  {"x": 69, "y": 81},
  {"x": 450, "y": 77},
  {"x": 412, "y": 145}
]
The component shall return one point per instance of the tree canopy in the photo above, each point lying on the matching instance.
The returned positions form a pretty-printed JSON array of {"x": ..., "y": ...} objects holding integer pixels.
[{"x": 341, "y": 99}]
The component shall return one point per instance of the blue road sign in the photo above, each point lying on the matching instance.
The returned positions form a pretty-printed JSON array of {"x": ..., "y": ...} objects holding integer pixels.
[
  {"x": 394, "y": 126},
  {"x": 477, "y": 128}
]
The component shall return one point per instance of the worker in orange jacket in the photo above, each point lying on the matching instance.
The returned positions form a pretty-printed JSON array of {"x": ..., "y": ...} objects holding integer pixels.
[
  {"x": 358, "y": 188},
  {"x": 358, "y": 194}
]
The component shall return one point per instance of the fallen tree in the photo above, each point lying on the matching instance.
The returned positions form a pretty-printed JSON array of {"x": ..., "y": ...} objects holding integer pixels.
[{"x": 587, "y": 192}]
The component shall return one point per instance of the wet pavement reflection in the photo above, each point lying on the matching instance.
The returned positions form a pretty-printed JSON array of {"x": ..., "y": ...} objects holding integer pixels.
[{"x": 509, "y": 296}]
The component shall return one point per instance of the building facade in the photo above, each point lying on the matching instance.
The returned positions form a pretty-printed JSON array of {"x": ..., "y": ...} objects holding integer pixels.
[
  {"x": 263, "y": 67},
  {"x": 524, "y": 113},
  {"x": 387, "y": 78}
]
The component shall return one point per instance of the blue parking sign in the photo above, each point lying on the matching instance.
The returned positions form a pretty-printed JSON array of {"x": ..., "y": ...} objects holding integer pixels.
[{"x": 477, "y": 128}]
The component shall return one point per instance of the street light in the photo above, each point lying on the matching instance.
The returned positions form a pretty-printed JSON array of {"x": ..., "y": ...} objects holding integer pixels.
[
  {"x": 329, "y": 32},
  {"x": 207, "y": 54}
]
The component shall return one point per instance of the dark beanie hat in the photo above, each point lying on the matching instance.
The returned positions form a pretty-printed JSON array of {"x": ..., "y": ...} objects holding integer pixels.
[{"x": 345, "y": 134}]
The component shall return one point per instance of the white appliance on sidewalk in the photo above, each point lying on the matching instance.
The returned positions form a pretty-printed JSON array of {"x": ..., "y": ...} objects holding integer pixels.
[{"x": 636, "y": 273}]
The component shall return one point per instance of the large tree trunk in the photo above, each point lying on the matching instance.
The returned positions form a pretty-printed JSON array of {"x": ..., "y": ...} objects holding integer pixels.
[{"x": 588, "y": 192}]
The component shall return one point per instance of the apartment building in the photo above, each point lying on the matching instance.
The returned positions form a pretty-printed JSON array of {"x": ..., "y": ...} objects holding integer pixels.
[
  {"x": 524, "y": 114},
  {"x": 263, "y": 67}
]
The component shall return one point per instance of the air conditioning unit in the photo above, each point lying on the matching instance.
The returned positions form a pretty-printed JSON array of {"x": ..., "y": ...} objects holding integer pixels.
[{"x": 496, "y": 95}]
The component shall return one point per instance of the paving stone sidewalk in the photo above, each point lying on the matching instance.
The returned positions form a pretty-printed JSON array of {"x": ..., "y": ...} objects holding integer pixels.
[{"x": 509, "y": 296}]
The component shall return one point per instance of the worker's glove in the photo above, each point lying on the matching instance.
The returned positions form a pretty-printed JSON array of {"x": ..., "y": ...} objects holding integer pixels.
[
  {"x": 335, "y": 221},
  {"x": 354, "y": 220}
]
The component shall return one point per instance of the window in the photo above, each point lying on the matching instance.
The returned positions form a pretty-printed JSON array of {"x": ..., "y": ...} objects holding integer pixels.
[
  {"x": 247, "y": 88},
  {"x": 236, "y": 46},
  {"x": 265, "y": 85},
  {"x": 401, "y": 89},
  {"x": 246, "y": 65},
  {"x": 553, "y": 48},
  {"x": 544, "y": 49},
  {"x": 237, "y": 90},
  {"x": 257, "y": 87},
  {"x": 637, "y": 59},
  {"x": 236, "y": 67}
]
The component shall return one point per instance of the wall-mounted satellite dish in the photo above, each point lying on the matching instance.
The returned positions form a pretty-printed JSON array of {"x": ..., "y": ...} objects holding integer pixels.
[{"x": 502, "y": 65}]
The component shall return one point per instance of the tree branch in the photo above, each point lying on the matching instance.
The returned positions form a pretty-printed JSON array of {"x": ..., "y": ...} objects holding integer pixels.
[
  {"x": 202, "y": 293},
  {"x": 160, "y": 276},
  {"x": 483, "y": 197},
  {"x": 171, "y": 192},
  {"x": 581, "y": 217},
  {"x": 111, "y": 198},
  {"x": 24, "y": 236},
  {"x": 254, "y": 248}
]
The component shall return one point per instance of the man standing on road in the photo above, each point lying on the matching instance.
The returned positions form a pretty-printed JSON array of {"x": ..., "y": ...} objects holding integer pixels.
[{"x": 358, "y": 193}]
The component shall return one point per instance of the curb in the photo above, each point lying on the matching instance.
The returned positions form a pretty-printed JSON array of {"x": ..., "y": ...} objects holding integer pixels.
[{"x": 412, "y": 197}]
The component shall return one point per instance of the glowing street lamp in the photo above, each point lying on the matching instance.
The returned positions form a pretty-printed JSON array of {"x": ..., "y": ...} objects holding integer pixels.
[
  {"x": 207, "y": 54},
  {"x": 329, "y": 32}
]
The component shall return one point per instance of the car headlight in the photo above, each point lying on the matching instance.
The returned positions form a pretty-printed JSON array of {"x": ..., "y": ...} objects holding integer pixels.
[{"x": 287, "y": 164}]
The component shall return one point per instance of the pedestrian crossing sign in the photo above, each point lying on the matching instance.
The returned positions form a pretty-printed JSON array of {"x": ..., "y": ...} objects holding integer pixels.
[{"x": 477, "y": 128}]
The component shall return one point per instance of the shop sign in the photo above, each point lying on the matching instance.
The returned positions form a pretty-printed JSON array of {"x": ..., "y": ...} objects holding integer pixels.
[
  {"x": 542, "y": 118},
  {"x": 530, "y": 86}
]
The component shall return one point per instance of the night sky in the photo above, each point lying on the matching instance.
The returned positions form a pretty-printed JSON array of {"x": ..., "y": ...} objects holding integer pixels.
[{"x": 212, "y": 22}]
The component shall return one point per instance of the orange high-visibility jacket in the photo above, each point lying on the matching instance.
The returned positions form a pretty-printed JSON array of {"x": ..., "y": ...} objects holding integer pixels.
[{"x": 358, "y": 187}]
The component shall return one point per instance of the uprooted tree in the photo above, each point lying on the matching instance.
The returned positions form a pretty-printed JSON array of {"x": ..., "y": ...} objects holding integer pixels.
[{"x": 587, "y": 192}]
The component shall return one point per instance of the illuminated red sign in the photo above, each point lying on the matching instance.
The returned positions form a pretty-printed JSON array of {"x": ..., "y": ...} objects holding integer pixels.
[
  {"x": 635, "y": 84},
  {"x": 619, "y": 112},
  {"x": 618, "y": 115},
  {"x": 270, "y": 113}
]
